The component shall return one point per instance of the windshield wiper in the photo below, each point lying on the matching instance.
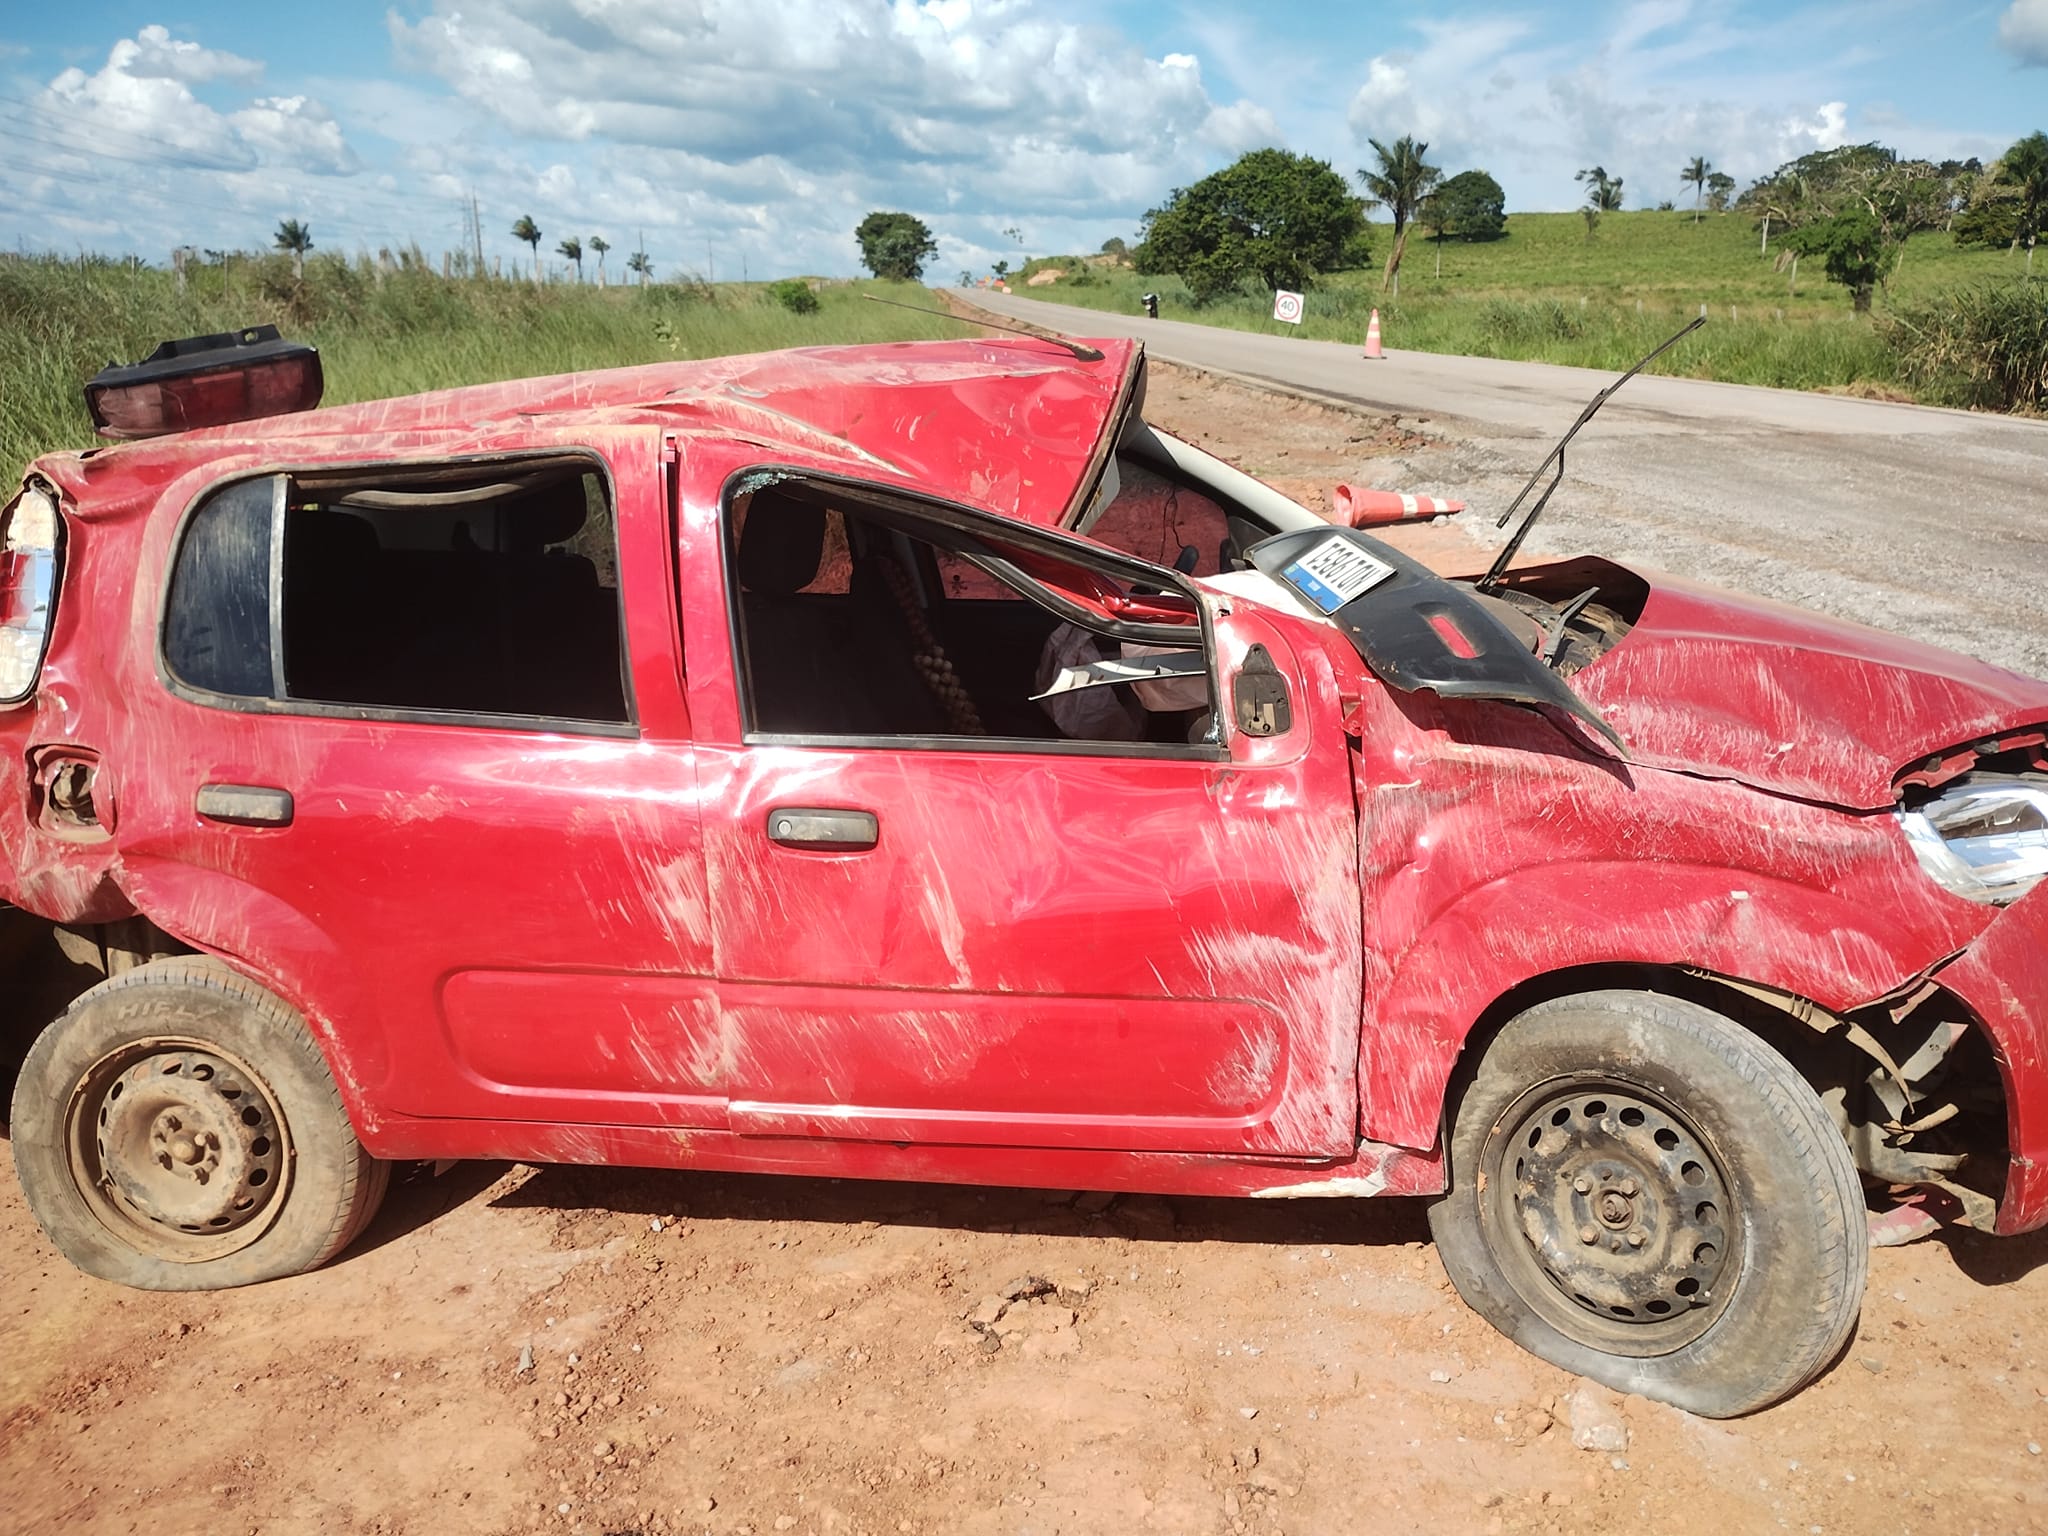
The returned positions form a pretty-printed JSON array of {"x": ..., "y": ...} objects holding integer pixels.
[{"x": 1491, "y": 580}]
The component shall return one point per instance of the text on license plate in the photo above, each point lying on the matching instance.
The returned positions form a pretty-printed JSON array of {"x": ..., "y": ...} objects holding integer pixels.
[{"x": 1334, "y": 572}]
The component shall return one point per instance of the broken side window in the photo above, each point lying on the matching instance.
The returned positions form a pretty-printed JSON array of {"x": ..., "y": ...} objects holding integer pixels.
[
  {"x": 439, "y": 591},
  {"x": 933, "y": 635}
]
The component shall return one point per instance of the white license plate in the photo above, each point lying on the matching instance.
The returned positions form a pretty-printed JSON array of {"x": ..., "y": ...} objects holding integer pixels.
[{"x": 1336, "y": 571}]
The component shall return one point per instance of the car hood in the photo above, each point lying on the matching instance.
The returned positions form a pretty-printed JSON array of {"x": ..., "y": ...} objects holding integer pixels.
[{"x": 1736, "y": 687}]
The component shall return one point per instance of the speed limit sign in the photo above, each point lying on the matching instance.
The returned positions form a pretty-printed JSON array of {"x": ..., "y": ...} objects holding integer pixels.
[{"x": 1287, "y": 306}]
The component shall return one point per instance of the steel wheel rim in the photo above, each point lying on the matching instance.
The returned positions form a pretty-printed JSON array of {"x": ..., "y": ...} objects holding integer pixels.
[
  {"x": 1611, "y": 1214},
  {"x": 179, "y": 1149}
]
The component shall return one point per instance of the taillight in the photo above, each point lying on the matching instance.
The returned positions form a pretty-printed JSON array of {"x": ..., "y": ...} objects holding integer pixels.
[
  {"x": 205, "y": 381},
  {"x": 28, "y": 588}
]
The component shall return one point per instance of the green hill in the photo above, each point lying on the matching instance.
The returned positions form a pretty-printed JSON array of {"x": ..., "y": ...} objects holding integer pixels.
[{"x": 1547, "y": 291}]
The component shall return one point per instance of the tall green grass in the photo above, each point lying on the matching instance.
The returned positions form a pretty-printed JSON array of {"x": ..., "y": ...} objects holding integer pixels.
[
  {"x": 1984, "y": 346},
  {"x": 1547, "y": 293},
  {"x": 384, "y": 333}
]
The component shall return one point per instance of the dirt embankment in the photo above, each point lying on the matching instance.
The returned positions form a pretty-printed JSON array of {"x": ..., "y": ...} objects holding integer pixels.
[{"x": 599, "y": 1351}]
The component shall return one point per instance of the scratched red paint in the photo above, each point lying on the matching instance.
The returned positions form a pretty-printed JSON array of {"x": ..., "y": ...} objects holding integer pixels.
[{"x": 1237, "y": 975}]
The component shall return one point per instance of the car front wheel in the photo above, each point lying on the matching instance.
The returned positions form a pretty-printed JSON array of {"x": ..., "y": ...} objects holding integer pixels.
[
  {"x": 177, "y": 1130},
  {"x": 1645, "y": 1193}
]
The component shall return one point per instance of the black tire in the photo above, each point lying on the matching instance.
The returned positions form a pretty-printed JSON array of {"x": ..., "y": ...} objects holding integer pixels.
[
  {"x": 177, "y": 1129},
  {"x": 1645, "y": 1193}
]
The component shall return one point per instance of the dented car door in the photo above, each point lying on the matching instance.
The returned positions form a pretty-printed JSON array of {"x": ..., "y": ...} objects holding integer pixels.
[{"x": 1018, "y": 942}]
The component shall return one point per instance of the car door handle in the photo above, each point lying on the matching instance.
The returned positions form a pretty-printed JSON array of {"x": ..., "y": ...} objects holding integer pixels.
[
  {"x": 798, "y": 826},
  {"x": 245, "y": 805}
]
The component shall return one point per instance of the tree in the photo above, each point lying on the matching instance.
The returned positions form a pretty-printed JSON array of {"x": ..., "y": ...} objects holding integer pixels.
[
  {"x": 1854, "y": 247},
  {"x": 1992, "y": 219},
  {"x": 525, "y": 229},
  {"x": 1720, "y": 188},
  {"x": 2024, "y": 167},
  {"x": 1603, "y": 195},
  {"x": 298, "y": 239},
  {"x": 1114, "y": 246},
  {"x": 1897, "y": 197},
  {"x": 1695, "y": 175},
  {"x": 640, "y": 266},
  {"x": 895, "y": 246},
  {"x": 1435, "y": 218},
  {"x": 572, "y": 248},
  {"x": 599, "y": 245},
  {"x": 1474, "y": 206},
  {"x": 1399, "y": 185},
  {"x": 1000, "y": 270},
  {"x": 1272, "y": 215},
  {"x": 1603, "y": 192}
]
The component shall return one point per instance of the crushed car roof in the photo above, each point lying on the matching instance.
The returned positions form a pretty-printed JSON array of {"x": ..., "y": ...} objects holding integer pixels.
[{"x": 1012, "y": 426}]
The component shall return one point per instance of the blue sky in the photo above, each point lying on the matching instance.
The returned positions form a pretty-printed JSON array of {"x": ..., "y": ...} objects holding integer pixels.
[{"x": 754, "y": 134}]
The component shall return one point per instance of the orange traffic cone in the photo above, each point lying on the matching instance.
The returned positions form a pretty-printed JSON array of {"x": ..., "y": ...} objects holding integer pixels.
[
  {"x": 1360, "y": 508},
  {"x": 1372, "y": 335}
]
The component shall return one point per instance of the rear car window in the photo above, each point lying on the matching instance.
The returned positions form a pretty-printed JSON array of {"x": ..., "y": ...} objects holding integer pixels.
[
  {"x": 479, "y": 591},
  {"x": 1158, "y": 519}
]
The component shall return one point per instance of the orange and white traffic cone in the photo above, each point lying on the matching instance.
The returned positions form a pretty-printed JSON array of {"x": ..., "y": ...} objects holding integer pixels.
[
  {"x": 1372, "y": 335},
  {"x": 1359, "y": 508}
]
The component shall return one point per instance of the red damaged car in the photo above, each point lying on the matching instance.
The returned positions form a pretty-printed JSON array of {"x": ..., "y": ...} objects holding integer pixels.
[{"x": 902, "y": 762}]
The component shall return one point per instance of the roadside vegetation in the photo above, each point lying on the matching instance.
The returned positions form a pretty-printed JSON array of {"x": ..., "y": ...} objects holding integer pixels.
[
  {"x": 1848, "y": 269},
  {"x": 388, "y": 327}
]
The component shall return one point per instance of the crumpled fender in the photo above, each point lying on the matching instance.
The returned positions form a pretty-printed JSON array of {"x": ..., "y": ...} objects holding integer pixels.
[{"x": 1496, "y": 851}]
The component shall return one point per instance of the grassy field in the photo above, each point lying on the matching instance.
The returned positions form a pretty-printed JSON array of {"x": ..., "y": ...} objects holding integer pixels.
[
  {"x": 412, "y": 330},
  {"x": 1547, "y": 292}
]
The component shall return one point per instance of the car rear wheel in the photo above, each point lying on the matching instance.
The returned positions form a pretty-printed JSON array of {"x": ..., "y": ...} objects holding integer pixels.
[
  {"x": 1645, "y": 1193},
  {"x": 177, "y": 1130}
]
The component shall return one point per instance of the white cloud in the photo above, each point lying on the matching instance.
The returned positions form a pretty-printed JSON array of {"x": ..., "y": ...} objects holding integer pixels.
[
  {"x": 154, "y": 53},
  {"x": 1827, "y": 128},
  {"x": 912, "y": 95},
  {"x": 2023, "y": 31},
  {"x": 292, "y": 130},
  {"x": 141, "y": 99},
  {"x": 130, "y": 147}
]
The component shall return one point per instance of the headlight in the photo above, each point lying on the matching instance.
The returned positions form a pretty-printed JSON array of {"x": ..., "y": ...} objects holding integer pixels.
[{"x": 1984, "y": 838}]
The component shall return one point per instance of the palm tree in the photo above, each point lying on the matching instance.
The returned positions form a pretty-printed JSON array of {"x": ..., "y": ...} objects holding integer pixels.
[
  {"x": 529, "y": 231},
  {"x": 1400, "y": 184},
  {"x": 1603, "y": 192},
  {"x": 1696, "y": 174},
  {"x": 638, "y": 262},
  {"x": 600, "y": 245},
  {"x": 573, "y": 249},
  {"x": 298, "y": 239}
]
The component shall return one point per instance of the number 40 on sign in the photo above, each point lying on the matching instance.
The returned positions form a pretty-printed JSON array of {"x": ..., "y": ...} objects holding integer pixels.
[{"x": 1287, "y": 306}]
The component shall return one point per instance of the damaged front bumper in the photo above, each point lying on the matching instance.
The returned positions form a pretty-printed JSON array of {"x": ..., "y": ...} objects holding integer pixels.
[{"x": 2003, "y": 978}]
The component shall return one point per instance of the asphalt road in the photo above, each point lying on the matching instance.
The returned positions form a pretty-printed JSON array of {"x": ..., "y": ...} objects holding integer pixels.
[{"x": 1927, "y": 522}]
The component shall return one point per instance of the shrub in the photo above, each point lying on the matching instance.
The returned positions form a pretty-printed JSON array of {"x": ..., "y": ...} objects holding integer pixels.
[
  {"x": 1528, "y": 321},
  {"x": 794, "y": 295},
  {"x": 1984, "y": 346}
]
